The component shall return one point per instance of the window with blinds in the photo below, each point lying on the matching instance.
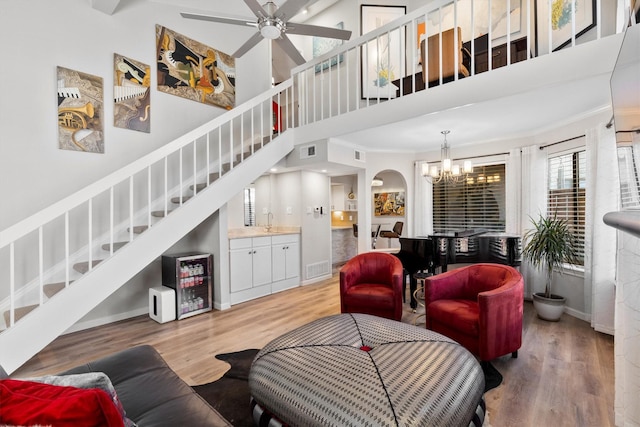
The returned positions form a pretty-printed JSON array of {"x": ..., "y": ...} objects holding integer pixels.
[
  {"x": 476, "y": 203},
  {"x": 566, "y": 195},
  {"x": 629, "y": 182},
  {"x": 250, "y": 207}
]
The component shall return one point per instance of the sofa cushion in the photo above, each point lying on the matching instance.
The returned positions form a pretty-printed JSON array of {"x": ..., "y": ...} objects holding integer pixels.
[
  {"x": 458, "y": 314},
  {"x": 151, "y": 392},
  {"x": 31, "y": 403}
]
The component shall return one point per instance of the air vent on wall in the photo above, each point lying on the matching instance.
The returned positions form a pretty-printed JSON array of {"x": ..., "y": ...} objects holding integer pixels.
[
  {"x": 358, "y": 155},
  {"x": 318, "y": 269},
  {"x": 307, "y": 151}
]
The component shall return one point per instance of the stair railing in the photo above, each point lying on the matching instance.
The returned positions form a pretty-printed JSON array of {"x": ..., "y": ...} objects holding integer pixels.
[{"x": 46, "y": 246}]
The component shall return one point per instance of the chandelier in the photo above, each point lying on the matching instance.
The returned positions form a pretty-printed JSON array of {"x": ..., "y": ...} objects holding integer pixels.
[{"x": 447, "y": 172}]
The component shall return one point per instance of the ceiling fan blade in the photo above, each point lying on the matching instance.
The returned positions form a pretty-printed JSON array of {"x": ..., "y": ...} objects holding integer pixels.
[
  {"x": 224, "y": 19},
  {"x": 289, "y": 9},
  {"x": 288, "y": 47},
  {"x": 315, "y": 30},
  {"x": 256, "y": 8},
  {"x": 254, "y": 40}
]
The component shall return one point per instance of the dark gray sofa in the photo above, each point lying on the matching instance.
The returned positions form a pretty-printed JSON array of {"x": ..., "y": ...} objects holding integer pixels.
[{"x": 151, "y": 393}]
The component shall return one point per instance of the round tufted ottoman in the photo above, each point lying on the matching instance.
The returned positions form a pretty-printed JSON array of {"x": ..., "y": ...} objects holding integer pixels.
[{"x": 363, "y": 370}]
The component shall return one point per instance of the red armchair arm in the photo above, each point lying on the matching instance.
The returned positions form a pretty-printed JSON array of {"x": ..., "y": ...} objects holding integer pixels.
[{"x": 500, "y": 318}]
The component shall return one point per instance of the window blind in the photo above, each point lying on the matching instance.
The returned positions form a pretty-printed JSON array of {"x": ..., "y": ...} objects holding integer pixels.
[
  {"x": 566, "y": 194},
  {"x": 629, "y": 181},
  {"x": 250, "y": 207},
  {"x": 476, "y": 203}
]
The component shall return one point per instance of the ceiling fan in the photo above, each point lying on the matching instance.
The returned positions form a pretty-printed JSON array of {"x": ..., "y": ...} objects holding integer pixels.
[{"x": 273, "y": 23}]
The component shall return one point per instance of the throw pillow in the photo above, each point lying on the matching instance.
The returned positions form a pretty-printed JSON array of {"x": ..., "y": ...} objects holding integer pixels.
[
  {"x": 98, "y": 380},
  {"x": 29, "y": 403}
]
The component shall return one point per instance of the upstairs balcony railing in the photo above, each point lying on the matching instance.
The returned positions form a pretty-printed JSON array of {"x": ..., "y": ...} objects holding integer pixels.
[{"x": 388, "y": 62}]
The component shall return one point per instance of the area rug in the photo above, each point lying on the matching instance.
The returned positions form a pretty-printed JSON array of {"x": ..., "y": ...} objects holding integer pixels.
[
  {"x": 230, "y": 394},
  {"x": 492, "y": 377}
]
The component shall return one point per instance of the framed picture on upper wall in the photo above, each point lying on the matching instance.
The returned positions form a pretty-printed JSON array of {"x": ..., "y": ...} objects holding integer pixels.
[
  {"x": 80, "y": 111},
  {"x": 131, "y": 84},
  {"x": 322, "y": 45},
  {"x": 382, "y": 57},
  {"x": 192, "y": 70},
  {"x": 558, "y": 22}
]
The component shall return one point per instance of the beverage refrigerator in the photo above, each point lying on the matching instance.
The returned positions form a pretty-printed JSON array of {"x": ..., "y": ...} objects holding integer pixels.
[{"x": 191, "y": 275}]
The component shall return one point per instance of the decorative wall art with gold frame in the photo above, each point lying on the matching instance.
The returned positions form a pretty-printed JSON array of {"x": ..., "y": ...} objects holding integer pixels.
[
  {"x": 80, "y": 111},
  {"x": 192, "y": 70},
  {"x": 388, "y": 204},
  {"x": 131, "y": 94}
]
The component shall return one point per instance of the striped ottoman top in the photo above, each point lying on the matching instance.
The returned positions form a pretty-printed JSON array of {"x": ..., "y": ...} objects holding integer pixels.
[{"x": 363, "y": 370}]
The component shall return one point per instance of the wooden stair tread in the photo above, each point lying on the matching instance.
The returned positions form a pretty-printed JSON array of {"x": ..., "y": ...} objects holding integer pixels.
[
  {"x": 19, "y": 313},
  {"x": 160, "y": 214},
  {"x": 83, "y": 267},
  {"x": 137, "y": 229},
  {"x": 116, "y": 246},
  {"x": 50, "y": 289},
  {"x": 177, "y": 199}
]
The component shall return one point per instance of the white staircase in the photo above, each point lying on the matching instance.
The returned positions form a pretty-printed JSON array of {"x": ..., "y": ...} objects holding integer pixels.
[{"x": 93, "y": 242}]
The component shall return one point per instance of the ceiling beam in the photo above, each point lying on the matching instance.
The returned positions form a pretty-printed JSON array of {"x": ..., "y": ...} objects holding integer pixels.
[{"x": 106, "y": 6}]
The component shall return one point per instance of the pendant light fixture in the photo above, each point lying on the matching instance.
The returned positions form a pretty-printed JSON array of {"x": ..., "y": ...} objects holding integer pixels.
[{"x": 449, "y": 172}]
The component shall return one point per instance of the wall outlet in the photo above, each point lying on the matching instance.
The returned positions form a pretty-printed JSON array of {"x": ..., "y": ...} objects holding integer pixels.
[
  {"x": 350, "y": 217},
  {"x": 265, "y": 210}
]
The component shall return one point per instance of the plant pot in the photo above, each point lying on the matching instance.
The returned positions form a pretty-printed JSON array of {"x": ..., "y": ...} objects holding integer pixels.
[{"x": 550, "y": 309}]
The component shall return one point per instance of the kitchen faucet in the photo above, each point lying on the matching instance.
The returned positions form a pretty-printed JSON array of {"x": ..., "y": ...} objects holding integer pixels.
[{"x": 269, "y": 218}]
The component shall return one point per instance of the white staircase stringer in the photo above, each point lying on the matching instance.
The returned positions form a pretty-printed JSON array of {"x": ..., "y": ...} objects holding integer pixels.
[{"x": 28, "y": 336}]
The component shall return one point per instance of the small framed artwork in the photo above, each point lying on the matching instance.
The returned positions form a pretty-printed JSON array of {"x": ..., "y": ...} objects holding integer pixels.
[
  {"x": 80, "y": 111},
  {"x": 131, "y": 84},
  {"x": 382, "y": 56},
  {"x": 388, "y": 204},
  {"x": 561, "y": 17}
]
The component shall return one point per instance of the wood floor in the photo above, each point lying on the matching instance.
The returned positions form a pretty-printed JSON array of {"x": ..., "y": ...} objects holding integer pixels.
[{"x": 562, "y": 377}]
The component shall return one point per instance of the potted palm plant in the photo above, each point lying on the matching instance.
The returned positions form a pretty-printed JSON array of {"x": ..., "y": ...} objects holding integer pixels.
[{"x": 550, "y": 245}]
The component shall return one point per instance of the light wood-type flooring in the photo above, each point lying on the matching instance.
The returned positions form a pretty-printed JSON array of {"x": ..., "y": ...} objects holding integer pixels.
[{"x": 562, "y": 377}]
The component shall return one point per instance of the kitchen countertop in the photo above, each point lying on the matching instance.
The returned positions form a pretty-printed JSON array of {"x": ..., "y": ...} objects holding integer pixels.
[{"x": 239, "y": 233}]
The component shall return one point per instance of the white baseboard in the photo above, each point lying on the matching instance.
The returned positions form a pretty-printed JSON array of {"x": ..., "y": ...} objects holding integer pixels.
[
  {"x": 81, "y": 326},
  {"x": 316, "y": 280}
]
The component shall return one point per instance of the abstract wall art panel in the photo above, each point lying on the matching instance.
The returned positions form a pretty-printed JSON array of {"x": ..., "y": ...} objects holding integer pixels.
[
  {"x": 80, "y": 111},
  {"x": 192, "y": 70},
  {"x": 131, "y": 94}
]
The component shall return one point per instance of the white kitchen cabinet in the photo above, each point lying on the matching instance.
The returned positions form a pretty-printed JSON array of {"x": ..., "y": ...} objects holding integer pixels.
[
  {"x": 285, "y": 253},
  {"x": 250, "y": 267},
  {"x": 262, "y": 265},
  {"x": 337, "y": 197}
]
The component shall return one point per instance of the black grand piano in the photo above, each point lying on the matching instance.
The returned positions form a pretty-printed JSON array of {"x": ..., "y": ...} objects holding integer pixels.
[{"x": 435, "y": 252}]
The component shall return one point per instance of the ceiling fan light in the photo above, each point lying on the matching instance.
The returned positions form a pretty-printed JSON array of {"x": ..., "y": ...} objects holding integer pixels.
[{"x": 270, "y": 30}]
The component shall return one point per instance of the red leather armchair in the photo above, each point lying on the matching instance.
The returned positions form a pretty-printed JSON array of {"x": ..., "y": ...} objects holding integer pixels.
[
  {"x": 371, "y": 283},
  {"x": 480, "y": 306}
]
